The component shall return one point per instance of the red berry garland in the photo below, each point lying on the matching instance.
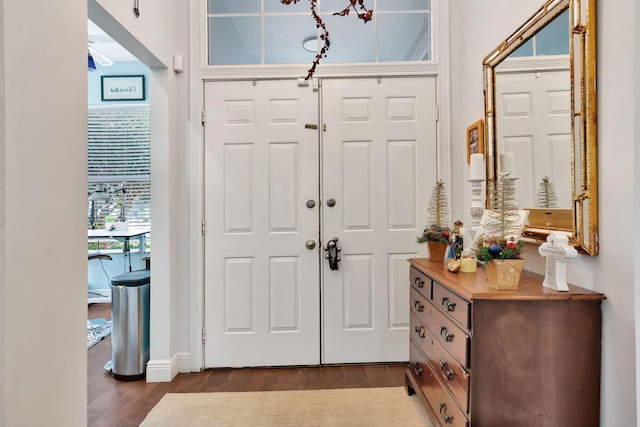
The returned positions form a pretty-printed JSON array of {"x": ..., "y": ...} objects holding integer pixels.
[{"x": 353, "y": 4}]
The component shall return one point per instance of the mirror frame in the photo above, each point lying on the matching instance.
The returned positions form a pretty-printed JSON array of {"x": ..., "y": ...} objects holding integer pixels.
[{"x": 583, "y": 233}]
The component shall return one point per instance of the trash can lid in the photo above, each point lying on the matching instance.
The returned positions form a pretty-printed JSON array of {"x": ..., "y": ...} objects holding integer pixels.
[{"x": 132, "y": 278}]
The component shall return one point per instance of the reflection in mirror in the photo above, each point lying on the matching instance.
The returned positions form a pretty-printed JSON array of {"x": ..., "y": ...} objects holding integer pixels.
[
  {"x": 540, "y": 119},
  {"x": 533, "y": 110}
]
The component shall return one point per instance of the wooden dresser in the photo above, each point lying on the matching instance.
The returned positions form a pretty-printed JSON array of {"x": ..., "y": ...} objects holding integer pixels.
[{"x": 486, "y": 358}]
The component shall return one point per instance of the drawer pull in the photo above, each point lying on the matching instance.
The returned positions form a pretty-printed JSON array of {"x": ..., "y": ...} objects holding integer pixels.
[
  {"x": 445, "y": 336},
  {"x": 417, "y": 369},
  {"x": 448, "y": 419},
  {"x": 449, "y": 306},
  {"x": 418, "y": 306},
  {"x": 419, "y": 282},
  {"x": 420, "y": 331},
  {"x": 448, "y": 373}
]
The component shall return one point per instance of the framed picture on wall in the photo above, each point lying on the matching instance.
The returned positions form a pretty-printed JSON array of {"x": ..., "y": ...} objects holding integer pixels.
[
  {"x": 122, "y": 88},
  {"x": 475, "y": 139}
]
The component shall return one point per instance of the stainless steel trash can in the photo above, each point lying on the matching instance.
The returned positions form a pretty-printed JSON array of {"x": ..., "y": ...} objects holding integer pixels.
[{"x": 130, "y": 325}]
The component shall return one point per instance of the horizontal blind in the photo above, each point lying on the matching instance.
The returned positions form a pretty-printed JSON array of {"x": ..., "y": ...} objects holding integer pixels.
[{"x": 119, "y": 157}]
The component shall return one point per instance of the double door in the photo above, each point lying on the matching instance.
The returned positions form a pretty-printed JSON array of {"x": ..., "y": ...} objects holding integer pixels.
[{"x": 313, "y": 198}]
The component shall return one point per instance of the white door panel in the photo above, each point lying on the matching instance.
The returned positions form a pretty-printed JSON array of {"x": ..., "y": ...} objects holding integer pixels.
[
  {"x": 379, "y": 152},
  {"x": 261, "y": 282}
]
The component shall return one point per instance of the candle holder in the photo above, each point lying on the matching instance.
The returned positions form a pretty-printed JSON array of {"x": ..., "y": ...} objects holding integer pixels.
[
  {"x": 476, "y": 178},
  {"x": 477, "y": 208}
]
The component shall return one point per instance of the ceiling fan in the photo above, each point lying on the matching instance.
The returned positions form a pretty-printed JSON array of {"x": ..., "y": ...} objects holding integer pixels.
[
  {"x": 98, "y": 57},
  {"x": 104, "y": 50}
]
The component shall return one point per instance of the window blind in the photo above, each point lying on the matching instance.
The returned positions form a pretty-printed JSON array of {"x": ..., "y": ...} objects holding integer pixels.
[{"x": 119, "y": 157}]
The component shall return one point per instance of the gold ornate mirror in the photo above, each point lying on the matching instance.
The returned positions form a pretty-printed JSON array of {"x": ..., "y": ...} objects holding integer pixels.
[{"x": 540, "y": 121}]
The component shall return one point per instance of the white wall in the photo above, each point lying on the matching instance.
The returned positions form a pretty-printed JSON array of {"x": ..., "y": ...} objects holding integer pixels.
[
  {"x": 153, "y": 39},
  {"x": 43, "y": 83},
  {"x": 43, "y": 362},
  {"x": 636, "y": 195},
  {"x": 480, "y": 27},
  {"x": 3, "y": 227}
]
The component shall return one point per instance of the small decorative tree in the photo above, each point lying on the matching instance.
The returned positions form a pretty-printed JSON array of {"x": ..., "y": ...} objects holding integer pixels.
[
  {"x": 437, "y": 228},
  {"x": 547, "y": 198},
  {"x": 500, "y": 238}
]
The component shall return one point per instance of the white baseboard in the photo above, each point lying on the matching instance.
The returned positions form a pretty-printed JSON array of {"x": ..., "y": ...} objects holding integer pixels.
[{"x": 159, "y": 371}]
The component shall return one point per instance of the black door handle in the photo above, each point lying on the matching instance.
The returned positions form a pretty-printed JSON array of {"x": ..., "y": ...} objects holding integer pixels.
[{"x": 332, "y": 249}]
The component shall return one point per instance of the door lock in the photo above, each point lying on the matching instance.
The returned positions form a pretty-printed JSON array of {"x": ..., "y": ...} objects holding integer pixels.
[{"x": 332, "y": 249}]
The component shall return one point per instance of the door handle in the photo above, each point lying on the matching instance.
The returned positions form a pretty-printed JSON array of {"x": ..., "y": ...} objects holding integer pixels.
[
  {"x": 332, "y": 249},
  {"x": 310, "y": 244}
]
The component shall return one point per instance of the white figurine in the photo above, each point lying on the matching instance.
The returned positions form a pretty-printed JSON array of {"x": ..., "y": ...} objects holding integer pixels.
[{"x": 558, "y": 254}]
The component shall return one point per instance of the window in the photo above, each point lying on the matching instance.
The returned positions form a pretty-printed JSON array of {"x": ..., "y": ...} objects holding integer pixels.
[
  {"x": 269, "y": 32},
  {"x": 119, "y": 158},
  {"x": 553, "y": 39}
]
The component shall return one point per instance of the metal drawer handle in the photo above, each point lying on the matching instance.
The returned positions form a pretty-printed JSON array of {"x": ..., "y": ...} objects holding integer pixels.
[
  {"x": 446, "y": 337},
  {"x": 448, "y": 373},
  {"x": 449, "y": 306},
  {"x": 418, "y": 306},
  {"x": 417, "y": 369},
  {"x": 420, "y": 331},
  {"x": 418, "y": 282},
  {"x": 448, "y": 419}
]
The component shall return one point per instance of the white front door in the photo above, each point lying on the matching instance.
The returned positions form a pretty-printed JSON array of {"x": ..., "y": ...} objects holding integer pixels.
[
  {"x": 262, "y": 294},
  {"x": 264, "y": 297},
  {"x": 378, "y": 166}
]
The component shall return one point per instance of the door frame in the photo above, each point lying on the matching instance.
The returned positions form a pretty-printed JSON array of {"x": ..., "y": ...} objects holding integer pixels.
[
  {"x": 440, "y": 68},
  {"x": 201, "y": 303}
]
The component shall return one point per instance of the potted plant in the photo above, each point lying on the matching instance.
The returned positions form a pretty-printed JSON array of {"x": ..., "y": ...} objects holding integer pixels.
[
  {"x": 499, "y": 245},
  {"x": 437, "y": 233}
]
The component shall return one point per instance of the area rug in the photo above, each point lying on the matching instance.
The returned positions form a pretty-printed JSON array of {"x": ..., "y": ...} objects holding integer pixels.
[
  {"x": 96, "y": 330},
  {"x": 370, "y": 407}
]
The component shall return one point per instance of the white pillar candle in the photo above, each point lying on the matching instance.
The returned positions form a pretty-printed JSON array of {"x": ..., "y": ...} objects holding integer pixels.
[
  {"x": 476, "y": 171},
  {"x": 506, "y": 164}
]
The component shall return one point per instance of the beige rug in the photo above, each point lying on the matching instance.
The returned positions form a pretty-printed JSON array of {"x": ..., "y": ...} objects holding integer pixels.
[{"x": 386, "y": 406}]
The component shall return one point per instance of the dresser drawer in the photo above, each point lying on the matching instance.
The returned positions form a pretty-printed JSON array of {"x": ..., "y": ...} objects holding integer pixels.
[
  {"x": 439, "y": 400},
  {"x": 452, "y": 304},
  {"x": 447, "y": 333},
  {"x": 451, "y": 373},
  {"x": 419, "y": 306},
  {"x": 421, "y": 282}
]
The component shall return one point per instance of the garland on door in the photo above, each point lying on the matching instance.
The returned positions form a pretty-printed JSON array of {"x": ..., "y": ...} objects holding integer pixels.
[{"x": 366, "y": 16}]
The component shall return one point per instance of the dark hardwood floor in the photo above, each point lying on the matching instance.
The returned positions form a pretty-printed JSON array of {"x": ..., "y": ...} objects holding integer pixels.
[{"x": 121, "y": 403}]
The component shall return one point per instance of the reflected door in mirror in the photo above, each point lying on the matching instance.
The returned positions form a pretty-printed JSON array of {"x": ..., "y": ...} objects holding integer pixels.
[{"x": 534, "y": 125}]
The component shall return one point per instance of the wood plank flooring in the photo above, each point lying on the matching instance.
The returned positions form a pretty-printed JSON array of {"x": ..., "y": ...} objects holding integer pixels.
[{"x": 121, "y": 403}]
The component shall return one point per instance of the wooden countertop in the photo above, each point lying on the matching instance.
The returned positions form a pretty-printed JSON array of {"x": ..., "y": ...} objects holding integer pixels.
[{"x": 474, "y": 286}]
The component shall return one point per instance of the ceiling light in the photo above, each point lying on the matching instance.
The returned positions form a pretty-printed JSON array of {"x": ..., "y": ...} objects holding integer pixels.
[{"x": 310, "y": 44}]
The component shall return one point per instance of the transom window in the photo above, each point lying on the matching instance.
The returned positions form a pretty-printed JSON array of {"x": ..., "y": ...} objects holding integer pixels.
[
  {"x": 269, "y": 32},
  {"x": 553, "y": 39}
]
